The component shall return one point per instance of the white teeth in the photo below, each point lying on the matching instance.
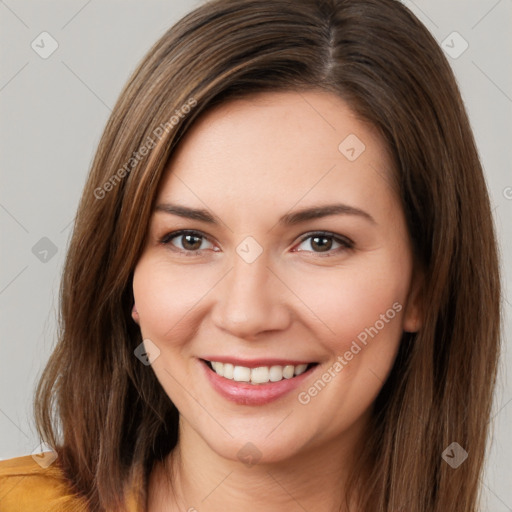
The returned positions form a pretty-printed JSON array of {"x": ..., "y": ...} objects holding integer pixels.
[
  {"x": 218, "y": 367},
  {"x": 276, "y": 373},
  {"x": 241, "y": 374},
  {"x": 260, "y": 375},
  {"x": 228, "y": 370},
  {"x": 288, "y": 371},
  {"x": 300, "y": 368}
]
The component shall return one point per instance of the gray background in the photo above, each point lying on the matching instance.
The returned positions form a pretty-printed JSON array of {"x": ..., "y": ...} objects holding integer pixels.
[{"x": 52, "y": 113}]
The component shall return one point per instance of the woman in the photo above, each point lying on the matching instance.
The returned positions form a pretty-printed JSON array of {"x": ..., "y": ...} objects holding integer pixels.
[{"x": 282, "y": 289}]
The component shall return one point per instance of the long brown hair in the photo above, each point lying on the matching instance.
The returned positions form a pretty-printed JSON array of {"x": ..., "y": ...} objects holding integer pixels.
[{"x": 115, "y": 420}]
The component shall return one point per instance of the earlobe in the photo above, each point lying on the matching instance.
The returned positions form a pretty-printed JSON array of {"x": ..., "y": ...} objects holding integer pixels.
[
  {"x": 135, "y": 314},
  {"x": 412, "y": 322},
  {"x": 413, "y": 315}
]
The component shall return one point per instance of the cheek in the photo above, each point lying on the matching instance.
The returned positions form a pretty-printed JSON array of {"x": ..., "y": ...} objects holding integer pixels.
[
  {"x": 165, "y": 297},
  {"x": 356, "y": 303}
]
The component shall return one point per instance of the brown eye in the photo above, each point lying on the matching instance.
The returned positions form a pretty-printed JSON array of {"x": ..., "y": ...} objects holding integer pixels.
[
  {"x": 191, "y": 242},
  {"x": 326, "y": 243},
  {"x": 323, "y": 243},
  {"x": 185, "y": 241}
]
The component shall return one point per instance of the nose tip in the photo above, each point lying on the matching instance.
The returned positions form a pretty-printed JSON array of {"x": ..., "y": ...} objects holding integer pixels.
[{"x": 250, "y": 300}]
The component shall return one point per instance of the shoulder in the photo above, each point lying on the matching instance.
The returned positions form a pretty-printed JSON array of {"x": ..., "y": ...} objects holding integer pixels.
[{"x": 27, "y": 485}]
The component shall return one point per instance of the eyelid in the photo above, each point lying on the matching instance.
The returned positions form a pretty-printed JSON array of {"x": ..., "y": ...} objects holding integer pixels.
[
  {"x": 166, "y": 239},
  {"x": 173, "y": 234},
  {"x": 344, "y": 241}
]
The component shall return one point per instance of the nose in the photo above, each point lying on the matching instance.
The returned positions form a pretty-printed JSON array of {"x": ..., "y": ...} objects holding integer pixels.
[{"x": 250, "y": 300}]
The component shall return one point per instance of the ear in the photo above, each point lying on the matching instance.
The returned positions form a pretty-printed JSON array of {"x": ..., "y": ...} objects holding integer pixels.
[
  {"x": 413, "y": 315},
  {"x": 135, "y": 315}
]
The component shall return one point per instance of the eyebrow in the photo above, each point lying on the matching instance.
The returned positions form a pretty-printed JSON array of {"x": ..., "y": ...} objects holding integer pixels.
[{"x": 289, "y": 219}]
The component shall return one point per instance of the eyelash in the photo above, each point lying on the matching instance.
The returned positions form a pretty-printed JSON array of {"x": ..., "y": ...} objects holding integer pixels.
[{"x": 346, "y": 243}]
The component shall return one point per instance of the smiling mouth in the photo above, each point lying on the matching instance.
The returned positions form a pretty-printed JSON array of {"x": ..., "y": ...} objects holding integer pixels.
[{"x": 259, "y": 375}]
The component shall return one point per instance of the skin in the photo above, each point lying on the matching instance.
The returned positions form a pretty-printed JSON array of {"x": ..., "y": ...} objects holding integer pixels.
[{"x": 249, "y": 162}]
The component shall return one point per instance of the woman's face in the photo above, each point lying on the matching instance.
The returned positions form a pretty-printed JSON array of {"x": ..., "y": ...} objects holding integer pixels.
[{"x": 267, "y": 277}]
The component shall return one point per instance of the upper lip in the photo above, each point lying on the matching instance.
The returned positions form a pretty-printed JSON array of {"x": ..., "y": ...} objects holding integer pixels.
[{"x": 255, "y": 363}]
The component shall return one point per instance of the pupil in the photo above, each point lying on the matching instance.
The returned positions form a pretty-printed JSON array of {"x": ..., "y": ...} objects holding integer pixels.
[
  {"x": 187, "y": 238},
  {"x": 322, "y": 247}
]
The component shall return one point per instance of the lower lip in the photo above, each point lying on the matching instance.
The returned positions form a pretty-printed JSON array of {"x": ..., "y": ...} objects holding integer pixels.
[{"x": 243, "y": 393}]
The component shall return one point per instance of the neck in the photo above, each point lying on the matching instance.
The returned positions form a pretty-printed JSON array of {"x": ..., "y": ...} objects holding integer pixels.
[{"x": 194, "y": 478}]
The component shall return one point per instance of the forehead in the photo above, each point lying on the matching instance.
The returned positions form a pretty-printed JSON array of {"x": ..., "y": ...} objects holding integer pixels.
[{"x": 277, "y": 149}]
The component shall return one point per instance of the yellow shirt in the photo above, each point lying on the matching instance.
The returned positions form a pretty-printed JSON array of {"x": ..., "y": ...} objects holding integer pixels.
[{"x": 26, "y": 486}]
